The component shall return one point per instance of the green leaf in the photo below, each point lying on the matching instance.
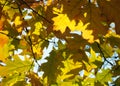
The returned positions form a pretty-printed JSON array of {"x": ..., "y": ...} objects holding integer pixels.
[
  {"x": 107, "y": 50},
  {"x": 112, "y": 36},
  {"x": 20, "y": 83},
  {"x": 12, "y": 79},
  {"x": 88, "y": 82},
  {"x": 104, "y": 76},
  {"x": 93, "y": 55},
  {"x": 17, "y": 65},
  {"x": 70, "y": 70},
  {"x": 94, "y": 59}
]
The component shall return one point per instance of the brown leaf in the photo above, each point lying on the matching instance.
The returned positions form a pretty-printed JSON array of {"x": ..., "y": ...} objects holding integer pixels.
[
  {"x": 34, "y": 79},
  {"x": 110, "y": 9}
]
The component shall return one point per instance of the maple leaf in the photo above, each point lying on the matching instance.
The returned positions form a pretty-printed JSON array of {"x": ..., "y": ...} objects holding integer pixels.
[
  {"x": 32, "y": 25},
  {"x": 37, "y": 51},
  {"x": 52, "y": 67},
  {"x": 12, "y": 79},
  {"x": 34, "y": 79},
  {"x": 88, "y": 82},
  {"x": 111, "y": 15},
  {"x": 18, "y": 22},
  {"x": 19, "y": 66},
  {"x": 61, "y": 22},
  {"x": 70, "y": 69},
  {"x": 112, "y": 36},
  {"x": 38, "y": 26},
  {"x": 97, "y": 22},
  {"x": 104, "y": 76}
]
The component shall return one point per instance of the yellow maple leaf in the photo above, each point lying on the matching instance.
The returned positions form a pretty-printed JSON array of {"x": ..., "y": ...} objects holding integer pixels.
[
  {"x": 61, "y": 22},
  {"x": 37, "y": 51},
  {"x": 17, "y": 21},
  {"x": 38, "y": 26},
  {"x": 81, "y": 26},
  {"x": 87, "y": 34},
  {"x": 69, "y": 65}
]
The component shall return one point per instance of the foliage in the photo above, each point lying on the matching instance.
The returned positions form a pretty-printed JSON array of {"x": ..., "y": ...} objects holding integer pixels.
[{"x": 84, "y": 36}]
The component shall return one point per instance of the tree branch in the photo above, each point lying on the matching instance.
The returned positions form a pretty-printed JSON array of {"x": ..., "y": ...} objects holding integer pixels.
[
  {"x": 29, "y": 41},
  {"x": 35, "y": 11}
]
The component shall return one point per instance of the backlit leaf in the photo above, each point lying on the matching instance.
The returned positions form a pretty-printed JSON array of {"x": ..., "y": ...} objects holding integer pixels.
[
  {"x": 38, "y": 26},
  {"x": 12, "y": 79},
  {"x": 4, "y": 52},
  {"x": 17, "y": 21},
  {"x": 17, "y": 65},
  {"x": 104, "y": 76},
  {"x": 3, "y": 39}
]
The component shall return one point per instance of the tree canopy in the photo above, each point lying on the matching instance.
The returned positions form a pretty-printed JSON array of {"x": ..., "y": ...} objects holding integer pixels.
[{"x": 84, "y": 36}]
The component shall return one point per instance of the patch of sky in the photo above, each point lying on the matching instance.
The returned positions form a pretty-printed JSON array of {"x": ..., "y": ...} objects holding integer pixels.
[
  {"x": 28, "y": 11},
  {"x": 111, "y": 60},
  {"x": 81, "y": 73},
  {"x": 46, "y": 51},
  {"x": 112, "y": 26},
  {"x": 76, "y": 32}
]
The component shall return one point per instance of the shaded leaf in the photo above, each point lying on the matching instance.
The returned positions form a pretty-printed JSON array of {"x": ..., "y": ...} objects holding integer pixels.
[
  {"x": 35, "y": 80},
  {"x": 52, "y": 67},
  {"x": 111, "y": 15}
]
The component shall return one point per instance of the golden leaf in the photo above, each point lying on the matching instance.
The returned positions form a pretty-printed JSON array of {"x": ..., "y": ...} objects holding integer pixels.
[
  {"x": 17, "y": 21},
  {"x": 61, "y": 22},
  {"x": 4, "y": 52},
  {"x": 87, "y": 34},
  {"x": 38, "y": 26},
  {"x": 3, "y": 40}
]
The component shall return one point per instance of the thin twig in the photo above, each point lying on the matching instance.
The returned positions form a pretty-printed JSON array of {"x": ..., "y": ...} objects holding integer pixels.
[
  {"x": 29, "y": 41},
  {"x": 104, "y": 55},
  {"x": 35, "y": 11}
]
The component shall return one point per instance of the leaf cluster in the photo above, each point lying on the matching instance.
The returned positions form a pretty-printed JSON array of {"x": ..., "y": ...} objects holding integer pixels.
[{"x": 81, "y": 38}]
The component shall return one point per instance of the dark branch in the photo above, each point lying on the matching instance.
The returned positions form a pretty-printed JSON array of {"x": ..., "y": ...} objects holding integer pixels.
[
  {"x": 104, "y": 55},
  {"x": 35, "y": 11},
  {"x": 28, "y": 40}
]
